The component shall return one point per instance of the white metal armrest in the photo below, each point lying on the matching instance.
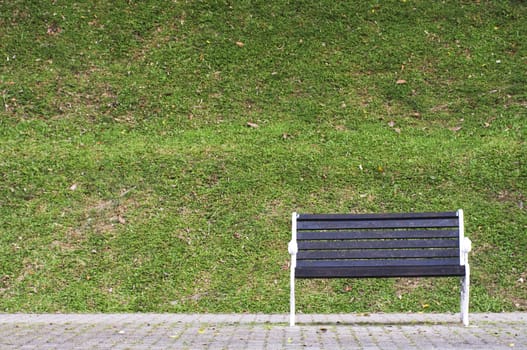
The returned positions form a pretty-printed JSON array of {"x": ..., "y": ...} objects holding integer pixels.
[
  {"x": 466, "y": 245},
  {"x": 292, "y": 247}
]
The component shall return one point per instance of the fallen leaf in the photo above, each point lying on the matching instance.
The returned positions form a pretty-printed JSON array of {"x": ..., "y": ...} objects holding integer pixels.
[
  {"x": 240, "y": 44},
  {"x": 252, "y": 125},
  {"x": 440, "y": 108},
  {"x": 197, "y": 296},
  {"x": 425, "y": 306},
  {"x": 400, "y": 82},
  {"x": 397, "y": 130},
  {"x": 54, "y": 29}
]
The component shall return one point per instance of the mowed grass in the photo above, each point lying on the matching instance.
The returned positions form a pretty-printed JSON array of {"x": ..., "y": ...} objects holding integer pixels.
[{"x": 152, "y": 152}]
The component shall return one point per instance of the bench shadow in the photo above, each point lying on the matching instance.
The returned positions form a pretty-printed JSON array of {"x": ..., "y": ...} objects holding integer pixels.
[{"x": 381, "y": 323}]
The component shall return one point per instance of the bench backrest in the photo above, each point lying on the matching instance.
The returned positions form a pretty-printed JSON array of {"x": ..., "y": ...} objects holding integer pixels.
[{"x": 379, "y": 245}]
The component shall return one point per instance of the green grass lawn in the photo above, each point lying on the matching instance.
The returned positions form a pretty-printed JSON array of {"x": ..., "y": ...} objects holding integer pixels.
[{"x": 151, "y": 152}]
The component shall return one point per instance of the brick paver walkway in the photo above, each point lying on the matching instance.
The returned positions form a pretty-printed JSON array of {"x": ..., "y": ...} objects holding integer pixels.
[{"x": 259, "y": 331}]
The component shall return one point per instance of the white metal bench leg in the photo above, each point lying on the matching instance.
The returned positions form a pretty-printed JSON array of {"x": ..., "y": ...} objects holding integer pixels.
[
  {"x": 465, "y": 295},
  {"x": 292, "y": 299}
]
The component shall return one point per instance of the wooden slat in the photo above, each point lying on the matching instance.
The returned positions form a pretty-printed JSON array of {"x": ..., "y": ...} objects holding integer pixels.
[
  {"x": 378, "y": 254},
  {"x": 376, "y": 224},
  {"x": 384, "y": 263},
  {"x": 367, "y": 272},
  {"x": 375, "y": 234},
  {"x": 376, "y": 216},
  {"x": 379, "y": 244}
]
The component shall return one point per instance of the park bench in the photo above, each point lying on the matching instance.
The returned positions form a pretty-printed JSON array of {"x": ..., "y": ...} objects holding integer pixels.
[{"x": 378, "y": 246}]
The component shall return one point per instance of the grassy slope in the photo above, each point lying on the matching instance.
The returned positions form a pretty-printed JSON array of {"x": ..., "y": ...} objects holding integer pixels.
[{"x": 131, "y": 181}]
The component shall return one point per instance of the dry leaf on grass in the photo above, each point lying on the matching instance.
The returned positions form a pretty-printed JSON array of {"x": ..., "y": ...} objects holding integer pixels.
[{"x": 54, "y": 29}]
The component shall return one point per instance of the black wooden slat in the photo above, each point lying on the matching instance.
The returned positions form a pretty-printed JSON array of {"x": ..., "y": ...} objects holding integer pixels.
[
  {"x": 379, "y": 244},
  {"x": 375, "y": 234},
  {"x": 376, "y": 216},
  {"x": 376, "y": 224},
  {"x": 384, "y": 263},
  {"x": 378, "y": 254},
  {"x": 367, "y": 272}
]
